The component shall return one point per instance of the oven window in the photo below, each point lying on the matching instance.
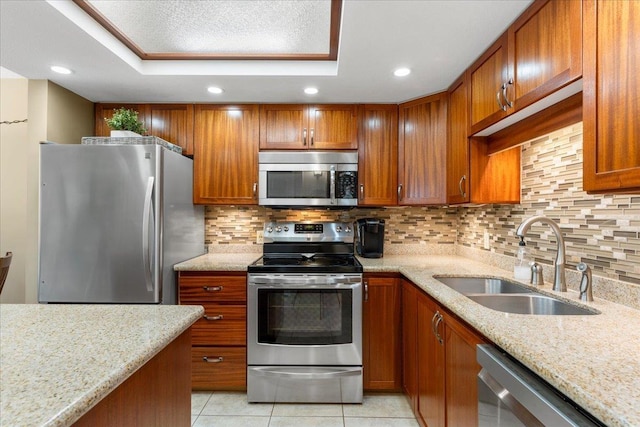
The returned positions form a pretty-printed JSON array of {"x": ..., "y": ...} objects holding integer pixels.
[
  {"x": 305, "y": 317},
  {"x": 298, "y": 185}
]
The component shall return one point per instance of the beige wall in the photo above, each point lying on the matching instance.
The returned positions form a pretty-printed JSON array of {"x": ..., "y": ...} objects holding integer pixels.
[
  {"x": 69, "y": 116},
  {"x": 54, "y": 114},
  {"x": 13, "y": 184}
]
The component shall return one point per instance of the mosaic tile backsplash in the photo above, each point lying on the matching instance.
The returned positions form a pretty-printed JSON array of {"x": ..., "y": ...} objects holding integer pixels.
[{"x": 601, "y": 230}]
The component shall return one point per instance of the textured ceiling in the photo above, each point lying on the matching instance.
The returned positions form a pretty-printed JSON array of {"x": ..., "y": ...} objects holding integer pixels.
[{"x": 222, "y": 27}]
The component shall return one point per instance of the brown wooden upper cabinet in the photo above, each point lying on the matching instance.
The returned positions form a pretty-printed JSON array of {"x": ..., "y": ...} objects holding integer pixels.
[
  {"x": 378, "y": 155},
  {"x": 308, "y": 127},
  {"x": 458, "y": 145},
  {"x": 540, "y": 53},
  {"x": 422, "y": 146},
  {"x": 171, "y": 122},
  {"x": 225, "y": 154},
  {"x": 611, "y": 96}
]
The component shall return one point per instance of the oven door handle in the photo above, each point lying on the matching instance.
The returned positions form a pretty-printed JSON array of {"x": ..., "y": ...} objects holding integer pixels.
[
  {"x": 305, "y": 281},
  {"x": 311, "y": 374}
]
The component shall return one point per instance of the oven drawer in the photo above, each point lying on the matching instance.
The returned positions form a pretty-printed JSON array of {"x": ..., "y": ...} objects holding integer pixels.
[
  {"x": 212, "y": 288},
  {"x": 221, "y": 325},
  {"x": 218, "y": 368}
]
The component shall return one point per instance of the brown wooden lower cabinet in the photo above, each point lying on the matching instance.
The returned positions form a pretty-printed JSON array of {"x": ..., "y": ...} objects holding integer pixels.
[
  {"x": 440, "y": 369},
  {"x": 219, "y": 338},
  {"x": 382, "y": 354},
  {"x": 217, "y": 368},
  {"x": 157, "y": 394}
]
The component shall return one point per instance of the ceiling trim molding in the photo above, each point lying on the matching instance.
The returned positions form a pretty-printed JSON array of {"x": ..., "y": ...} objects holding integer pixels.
[{"x": 334, "y": 41}]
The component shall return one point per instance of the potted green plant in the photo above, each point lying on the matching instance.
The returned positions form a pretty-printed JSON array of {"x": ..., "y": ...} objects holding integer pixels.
[{"x": 124, "y": 122}]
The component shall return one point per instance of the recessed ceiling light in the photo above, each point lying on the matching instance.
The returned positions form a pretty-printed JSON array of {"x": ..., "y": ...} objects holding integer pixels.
[
  {"x": 214, "y": 89},
  {"x": 311, "y": 91},
  {"x": 401, "y": 72},
  {"x": 60, "y": 70}
]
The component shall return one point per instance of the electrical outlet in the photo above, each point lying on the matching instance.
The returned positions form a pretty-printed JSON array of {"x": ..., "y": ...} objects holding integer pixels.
[
  {"x": 487, "y": 244},
  {"x": 259, "y": 237}
]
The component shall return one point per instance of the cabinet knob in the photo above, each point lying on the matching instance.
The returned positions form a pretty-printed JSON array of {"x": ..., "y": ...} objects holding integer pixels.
[
  {"x": 212, "y": 288},
  {"x": 213, "y": 359},
  {"x": 311, "y": 136},
  {"x": 399, "y": 192},
  {"x": 216, "y": 317},
  {"x": 361, "y": 191},
  {"x": 304, "y": 136}
]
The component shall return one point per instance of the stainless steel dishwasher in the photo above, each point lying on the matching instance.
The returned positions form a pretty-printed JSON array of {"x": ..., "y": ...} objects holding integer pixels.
[{"x": 511, "y": 395}]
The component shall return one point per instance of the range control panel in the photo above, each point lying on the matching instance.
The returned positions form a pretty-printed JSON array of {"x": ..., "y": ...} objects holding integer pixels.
[{"x": 308, "y": 231}]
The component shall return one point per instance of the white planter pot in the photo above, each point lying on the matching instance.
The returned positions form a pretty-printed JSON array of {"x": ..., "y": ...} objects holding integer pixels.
[{"x": 123, "y": 134}]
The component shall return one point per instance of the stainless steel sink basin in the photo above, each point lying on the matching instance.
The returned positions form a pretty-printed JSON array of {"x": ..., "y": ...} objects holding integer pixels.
[
  {"x": 528, "y": 304},
  {"x": 503, "y": 295},
  {"x": 482, "y": 285}
]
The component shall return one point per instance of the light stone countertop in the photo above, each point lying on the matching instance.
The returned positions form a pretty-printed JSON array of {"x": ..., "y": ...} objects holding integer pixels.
[
  {"x": 58, "y": 361},
  {"x": 591, "y": 359},
  {"x": 218, "y": 262}
]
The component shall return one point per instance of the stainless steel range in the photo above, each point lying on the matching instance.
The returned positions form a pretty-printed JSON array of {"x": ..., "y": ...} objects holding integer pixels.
[{"x": 304, "y": 316}]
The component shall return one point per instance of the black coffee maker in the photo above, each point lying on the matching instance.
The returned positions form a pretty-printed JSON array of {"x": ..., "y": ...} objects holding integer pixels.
[{"x": 369, "y": 237}]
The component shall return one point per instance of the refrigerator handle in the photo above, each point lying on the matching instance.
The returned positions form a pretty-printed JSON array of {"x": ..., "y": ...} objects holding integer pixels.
[{"x": 146, "y": 256}]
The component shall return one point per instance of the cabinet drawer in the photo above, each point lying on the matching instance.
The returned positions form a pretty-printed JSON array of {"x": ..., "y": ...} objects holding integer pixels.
[
  {"x": 218, "y": 368},
  {"x": 222, "y": 325},
  {"x": 202, "y": 289}
]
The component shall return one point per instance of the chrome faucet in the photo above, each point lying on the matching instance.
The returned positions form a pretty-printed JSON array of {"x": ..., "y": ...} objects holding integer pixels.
[{"x": 559, "y": 281}]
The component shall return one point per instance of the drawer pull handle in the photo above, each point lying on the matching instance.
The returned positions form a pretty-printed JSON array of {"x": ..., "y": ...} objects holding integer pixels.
[
  {"x": 217, "y": 317},
  {"x": 213, "y": 359},
  {"x": 212, "y": 288}
]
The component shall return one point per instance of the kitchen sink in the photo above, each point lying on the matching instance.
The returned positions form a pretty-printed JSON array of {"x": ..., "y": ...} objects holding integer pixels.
[
  {"x": 483, "y": 285},
  {"x": 528, "y": 304},
  {"x": 506, "y": 296}
]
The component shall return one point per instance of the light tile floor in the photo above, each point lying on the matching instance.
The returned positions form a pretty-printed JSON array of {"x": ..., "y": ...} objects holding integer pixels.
[{"x": 227, "y": 409}]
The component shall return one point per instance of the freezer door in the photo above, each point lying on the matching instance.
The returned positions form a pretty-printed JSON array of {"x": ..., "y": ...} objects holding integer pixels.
[{"x": 97, "y": 223}]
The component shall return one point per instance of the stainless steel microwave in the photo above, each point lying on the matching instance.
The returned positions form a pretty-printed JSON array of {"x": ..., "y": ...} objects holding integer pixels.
[{"x": 308, "y": 178}]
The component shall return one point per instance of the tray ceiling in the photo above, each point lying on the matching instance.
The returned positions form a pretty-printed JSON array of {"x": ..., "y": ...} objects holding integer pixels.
[{"x": 222, "y": 29}]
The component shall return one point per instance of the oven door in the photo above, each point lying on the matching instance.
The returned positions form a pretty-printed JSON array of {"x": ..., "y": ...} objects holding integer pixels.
[{"x": 299, "y": 319}]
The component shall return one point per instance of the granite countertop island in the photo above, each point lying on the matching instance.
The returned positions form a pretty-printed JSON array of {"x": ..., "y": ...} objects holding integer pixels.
[
  {"x": 58, "y": 361},
  {"x": 592, "y": 359}
]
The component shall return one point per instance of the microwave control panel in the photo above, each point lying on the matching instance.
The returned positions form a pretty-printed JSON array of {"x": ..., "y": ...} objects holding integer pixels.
[{"x": 346, "y": 183}]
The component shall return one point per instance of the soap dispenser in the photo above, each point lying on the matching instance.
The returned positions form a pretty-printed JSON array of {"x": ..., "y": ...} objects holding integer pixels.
[{"x": 522, "y": 266}]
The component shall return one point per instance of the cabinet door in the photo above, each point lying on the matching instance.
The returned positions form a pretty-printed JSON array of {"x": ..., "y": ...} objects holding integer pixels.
[
  {"x": 486, "y": 77},
  {"x": 545, "y": 45},
  {"x": 378, "y": 156},
  {"x": 458, "y": 145},
  {"x": 381, "y": 334},
  {"x": 611, "y": 96},
  {"x": 105, "y": 111},
  {"x": 422, "y": 145},
  {"x": 431, "y": 363},
  {"x": 410, "y": 343},
  {"x": 173, "y": 123},
  {"x": 225, "y": 154},
  {"x": 283, "y": 127},
  {"x": 461, "y": 371},
  {"x": 333, "y": 127}
]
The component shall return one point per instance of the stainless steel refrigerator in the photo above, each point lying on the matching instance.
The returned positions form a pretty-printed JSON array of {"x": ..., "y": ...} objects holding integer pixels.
[{"x": 114, "y": 219}]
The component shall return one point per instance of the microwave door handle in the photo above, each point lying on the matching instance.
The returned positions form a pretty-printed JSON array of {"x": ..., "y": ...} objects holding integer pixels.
[{"x": 332, "y": 184}]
